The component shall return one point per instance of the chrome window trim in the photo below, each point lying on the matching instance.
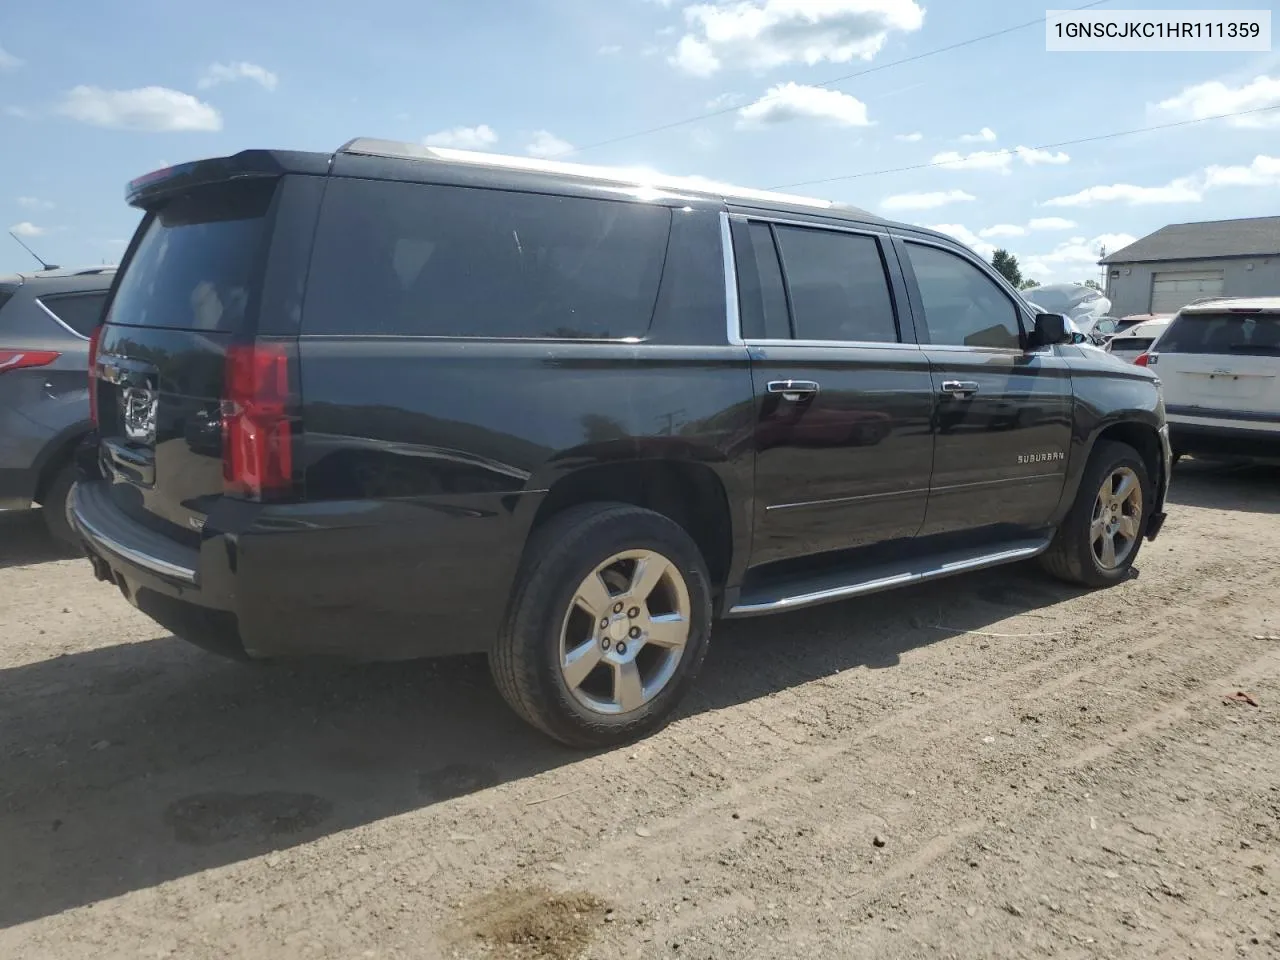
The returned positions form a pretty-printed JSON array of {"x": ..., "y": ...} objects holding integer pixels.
[
  {"x": 57, "y": 319},
  {"x": 731, "y": 280},
  {"x": 732, "y": 306}
]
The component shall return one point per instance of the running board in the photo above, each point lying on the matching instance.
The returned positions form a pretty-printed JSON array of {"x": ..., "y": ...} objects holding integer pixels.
[{"x": 843, "y": 584}]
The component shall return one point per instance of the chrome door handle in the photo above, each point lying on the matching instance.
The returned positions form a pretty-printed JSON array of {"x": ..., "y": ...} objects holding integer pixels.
[
  {"x": 794, "y": 390},
  {"x": 960, "y": 388}
]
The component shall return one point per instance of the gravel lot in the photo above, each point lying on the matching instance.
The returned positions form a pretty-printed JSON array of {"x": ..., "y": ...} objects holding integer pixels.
[{"x": 995, "y": 765}]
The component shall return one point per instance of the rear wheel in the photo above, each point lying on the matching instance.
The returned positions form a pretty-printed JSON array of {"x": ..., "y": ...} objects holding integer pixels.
[
  {"x": 53, "y": 504},
  {"x": 607, "y": 627},
  {"x": 1098, "y": 541}
]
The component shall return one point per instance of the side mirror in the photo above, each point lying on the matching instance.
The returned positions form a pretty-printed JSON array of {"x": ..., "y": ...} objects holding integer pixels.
[{"x": 1050, "y": 328}]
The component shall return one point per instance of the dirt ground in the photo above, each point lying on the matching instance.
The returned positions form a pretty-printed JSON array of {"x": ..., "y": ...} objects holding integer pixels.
[{"x": 992, "y": 766}]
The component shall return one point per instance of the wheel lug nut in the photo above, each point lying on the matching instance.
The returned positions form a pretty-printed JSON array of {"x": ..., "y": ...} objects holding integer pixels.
[
  {"x": 604, "y": 643},
  {"x": 622, "y": 649},
  {"x": 604, "y": 624},
  {"x": 617, "y": 608},
  {"x": 633, "y": 612},
  {"x": 634, "y": 632}
]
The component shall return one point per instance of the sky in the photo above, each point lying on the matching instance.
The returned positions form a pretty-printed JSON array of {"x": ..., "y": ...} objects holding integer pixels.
[{"x": 93, "y": 97}]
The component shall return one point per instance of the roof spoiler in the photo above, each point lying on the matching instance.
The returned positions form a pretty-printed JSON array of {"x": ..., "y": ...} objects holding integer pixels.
[{"x": 148, "y": 188}]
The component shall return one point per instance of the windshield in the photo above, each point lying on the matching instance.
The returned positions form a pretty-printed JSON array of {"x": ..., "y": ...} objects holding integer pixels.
[
  {"x": 193, "y": 268},
  {"x": 1223, "y": 333}
]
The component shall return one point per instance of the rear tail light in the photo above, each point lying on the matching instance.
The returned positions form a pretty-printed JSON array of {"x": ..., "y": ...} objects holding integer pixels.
[
  {"x": 1142, "y": 359},
  {"x": 25, "y": 359},
  {"x": 93, "y": 374},
  {"x": 257, "y": 422}
]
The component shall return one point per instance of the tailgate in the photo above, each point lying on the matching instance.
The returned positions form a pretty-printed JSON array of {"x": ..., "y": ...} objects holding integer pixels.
[
  {"x": 1225, "y": 361},
  {"x": 187, "y": 292}
]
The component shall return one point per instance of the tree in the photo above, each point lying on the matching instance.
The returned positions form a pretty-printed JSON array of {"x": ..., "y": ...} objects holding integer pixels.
[
  {"x": 1093, "y": 285},
  {"x": 1029, "y": 284},
  {"x": 1007, "y": 264}
]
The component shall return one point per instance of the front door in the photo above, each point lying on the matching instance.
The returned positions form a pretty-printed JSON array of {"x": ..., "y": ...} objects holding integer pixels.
[
  {"x": 1002, "y": 424},
  {"x": 843, "y": 393}
]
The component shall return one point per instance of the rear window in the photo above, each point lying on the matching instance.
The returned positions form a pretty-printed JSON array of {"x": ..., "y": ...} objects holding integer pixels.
[
  {"x": 79, "y": 311},
  {"x": 1223, "y": 333},
  {"x": 1141, "y": 344},
  {"x": 400, "y": 259},
  {"x": 194, "y": 268}
]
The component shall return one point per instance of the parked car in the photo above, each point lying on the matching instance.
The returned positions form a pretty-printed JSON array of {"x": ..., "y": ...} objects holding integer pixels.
[
  {"x": 1137, "y": 340},
  {"x": 1219, "y": 361},
  {"x": 399, "y": 401},
  {"x": 45, "y": 322}
]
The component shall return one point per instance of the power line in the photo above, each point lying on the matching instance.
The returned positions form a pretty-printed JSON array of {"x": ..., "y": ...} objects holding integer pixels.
[
  {"x": 824, "y": 83},
  {"x": 1014, "y": 150}
]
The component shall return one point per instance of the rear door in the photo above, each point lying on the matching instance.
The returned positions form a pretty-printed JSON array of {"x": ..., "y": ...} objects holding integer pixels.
[
  {"x": 842, "y": 391},
  {"x": 1222, "y": 365},
  {"x": 189, "y": 288}
]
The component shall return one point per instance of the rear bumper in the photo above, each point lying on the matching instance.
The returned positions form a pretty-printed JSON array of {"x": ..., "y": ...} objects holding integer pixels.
[
  {"x": 1222, "y": 437},
  {"x": 358, "y": 580}
]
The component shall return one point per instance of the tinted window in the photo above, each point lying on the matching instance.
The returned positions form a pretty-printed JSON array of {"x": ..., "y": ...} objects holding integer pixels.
[
  {"x": 962, "y": 305},
  {"x": 79, "y": 311},
  {"x": 194, "y": 266},
  {"x": 838, "y": 287},
  {"x": 761, "y": 280},
  {"x": 1219, "y": 333},
  {"x": 413, "y": 260}
]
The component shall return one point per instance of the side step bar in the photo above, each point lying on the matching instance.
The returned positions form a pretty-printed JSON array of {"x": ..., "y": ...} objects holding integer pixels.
[{"x": 843, "y": 584}]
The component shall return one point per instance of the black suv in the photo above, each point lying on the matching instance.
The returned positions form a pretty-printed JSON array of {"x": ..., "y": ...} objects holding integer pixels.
[{"x": 395, "y": 402}]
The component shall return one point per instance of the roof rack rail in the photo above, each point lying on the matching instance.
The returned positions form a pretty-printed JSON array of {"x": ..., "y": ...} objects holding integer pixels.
[{"x": 639, "y": 177}]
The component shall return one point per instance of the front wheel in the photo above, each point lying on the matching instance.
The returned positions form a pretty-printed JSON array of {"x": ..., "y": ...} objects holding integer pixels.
[
  {"x": 607, "y": 627},
  {"x": 1098, "y": 540}
]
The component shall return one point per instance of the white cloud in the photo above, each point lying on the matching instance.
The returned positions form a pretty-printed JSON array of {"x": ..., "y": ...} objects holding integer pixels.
[
  {"x": 1215, "y": 98},
  {"x": 157, "y": 109},
  {"x": 609, "y": 50},
  {"x": 8, "y": 61},
  {"x": 34, "y": 203},
  {"x": 695, "y": 57},
  {"x": 1264, "y": 171},
  {"x": 793, "y": 101},
  {"x": 999, "y": 160},
  {"x": 1003, "y": 230},
  {"x": 764, "y": 34},
  {"x": 1051, "y": 223},
  {"x": 985, "y": 135},
  {"x": 27, "y": 229},
  {"x": 967, "y": 237},
  {"x": 722, "y": 101},
  {"x": 909, "y": 137},
  {"x": 1031, "y": 156},
  {"x": 463, "y": 138},
  {"x": 1079, "y": 251},
  {"x": 546, "y": 144},
  {"x": 925, "y": 201},
  {"x": 1182, "y": 190},
  {"x": 238, "y": 70}
]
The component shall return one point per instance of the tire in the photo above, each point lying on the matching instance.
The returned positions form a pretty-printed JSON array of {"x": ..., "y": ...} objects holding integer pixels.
[
  {"x": 1075, "y": 553},
  {"x": 54, "y": 506},
  {"x": 548, "y": 618}
]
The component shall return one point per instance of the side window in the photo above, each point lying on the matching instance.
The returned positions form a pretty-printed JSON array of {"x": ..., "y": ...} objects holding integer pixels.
[
  {"x": 962, "y": 305},
  {"x": 764, "y": 300},
  {"x": 838, "y": 286},
  {"x": 401, "y": 259},
  {"x": 79, "y": 311}
]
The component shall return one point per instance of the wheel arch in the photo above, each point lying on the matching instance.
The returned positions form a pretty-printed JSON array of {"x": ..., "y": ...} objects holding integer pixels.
[
  {"x": 57, "y": 453},
  {"x": 1139, "y": 429}
]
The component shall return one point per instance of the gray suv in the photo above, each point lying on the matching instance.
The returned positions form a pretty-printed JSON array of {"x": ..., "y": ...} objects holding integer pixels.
[{"x": 46, "y": 319}]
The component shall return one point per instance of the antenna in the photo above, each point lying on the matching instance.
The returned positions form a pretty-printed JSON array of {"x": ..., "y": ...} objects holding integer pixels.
[{"x": 43, "y": 265}]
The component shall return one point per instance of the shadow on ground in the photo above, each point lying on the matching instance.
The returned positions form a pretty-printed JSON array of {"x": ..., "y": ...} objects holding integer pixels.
[
  {"x": 126, "y": 766},
  {"x": 1252, "y": 488},
  {"x": 24, "y": 540}
]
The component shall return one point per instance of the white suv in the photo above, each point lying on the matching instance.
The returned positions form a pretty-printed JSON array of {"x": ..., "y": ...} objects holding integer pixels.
[{"x": 1219, "y": 362}]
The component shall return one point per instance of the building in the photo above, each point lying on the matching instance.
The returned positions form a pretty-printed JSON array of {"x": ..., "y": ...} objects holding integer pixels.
[{"x": 1182, "y": 262}]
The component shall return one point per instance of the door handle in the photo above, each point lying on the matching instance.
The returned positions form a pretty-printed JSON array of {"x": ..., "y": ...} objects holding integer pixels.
[
  {"x": 960, "y": 388},
  {"x": 794, "y": 390}
]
